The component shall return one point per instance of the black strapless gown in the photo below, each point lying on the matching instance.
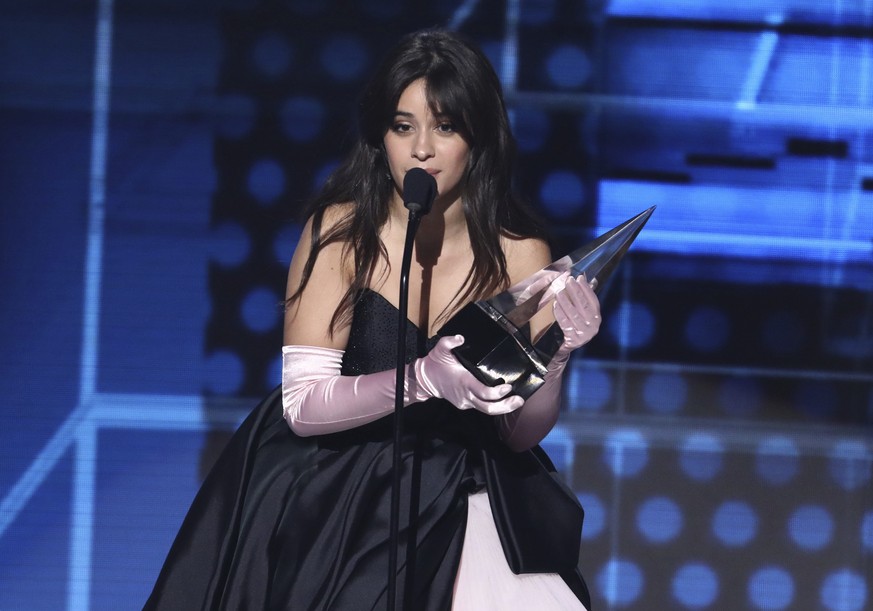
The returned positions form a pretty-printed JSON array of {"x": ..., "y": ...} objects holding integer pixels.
[{"x": 285, "y": 522}]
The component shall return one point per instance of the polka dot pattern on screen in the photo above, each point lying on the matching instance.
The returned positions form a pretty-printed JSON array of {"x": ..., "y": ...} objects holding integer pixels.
[
  {"x": 659, "y": 519},
  {"x": 266, "y": 181},
  {"x": 621, "y": 582},
  {"x": 771, "y": 588},
  {"x": 695, "y": 586},
  {"x": 261, "y": 309}
]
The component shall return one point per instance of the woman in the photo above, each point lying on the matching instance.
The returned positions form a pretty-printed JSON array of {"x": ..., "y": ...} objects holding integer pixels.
[{"x": 295, "y": 513}]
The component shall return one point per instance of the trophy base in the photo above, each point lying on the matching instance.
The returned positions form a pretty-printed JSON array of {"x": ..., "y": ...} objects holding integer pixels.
[{"x": 495, "y": 351}]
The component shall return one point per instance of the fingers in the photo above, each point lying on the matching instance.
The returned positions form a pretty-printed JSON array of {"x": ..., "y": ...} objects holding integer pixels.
[
  {"x": 495, "y": 408},
  {"x": 450, "y": 342},
  {"x": 577, "y": 311}
]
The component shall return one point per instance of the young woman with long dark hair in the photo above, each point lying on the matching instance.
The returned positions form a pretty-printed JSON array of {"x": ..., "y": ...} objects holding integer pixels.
[{"x": 295, "y": 515}]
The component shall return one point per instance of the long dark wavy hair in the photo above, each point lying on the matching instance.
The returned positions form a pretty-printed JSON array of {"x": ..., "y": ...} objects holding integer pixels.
[{"x": 461, "y": 84}]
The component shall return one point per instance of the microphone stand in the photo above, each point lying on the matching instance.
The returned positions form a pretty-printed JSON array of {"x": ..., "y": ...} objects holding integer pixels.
[{"x": 411, "y": 229}]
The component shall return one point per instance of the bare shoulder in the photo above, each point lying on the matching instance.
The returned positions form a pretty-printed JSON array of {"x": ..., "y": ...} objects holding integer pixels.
[
  {"x": 307, "y": 319},
  {"x": 524, "y": 256}
]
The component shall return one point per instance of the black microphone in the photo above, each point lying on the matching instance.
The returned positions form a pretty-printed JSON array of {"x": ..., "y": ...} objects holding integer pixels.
[{"x": 419, "y": 191}]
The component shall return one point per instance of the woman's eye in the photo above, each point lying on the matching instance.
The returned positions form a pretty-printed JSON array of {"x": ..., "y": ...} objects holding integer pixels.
[
  {"x": 401, "y": 128},
  {"x": 446, "y": 128}
]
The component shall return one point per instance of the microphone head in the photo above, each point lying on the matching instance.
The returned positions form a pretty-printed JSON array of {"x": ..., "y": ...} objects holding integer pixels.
[{"x": 419, "y": 190}]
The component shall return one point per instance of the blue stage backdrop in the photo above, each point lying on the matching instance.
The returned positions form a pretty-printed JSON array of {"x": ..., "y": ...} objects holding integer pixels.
[{"x": 154, "y": 155}]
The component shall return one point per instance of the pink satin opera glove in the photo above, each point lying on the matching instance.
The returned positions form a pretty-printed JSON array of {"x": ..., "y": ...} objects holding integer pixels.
[{"x": 317, "y": 400}]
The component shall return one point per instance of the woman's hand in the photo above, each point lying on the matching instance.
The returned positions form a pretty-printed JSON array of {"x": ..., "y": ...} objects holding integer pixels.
[
  {"x": 441, "y": 375},
  {"x": 577, "y": 312}
]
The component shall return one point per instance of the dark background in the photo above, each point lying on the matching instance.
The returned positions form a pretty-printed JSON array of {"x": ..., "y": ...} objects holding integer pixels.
[{"x": 154, "y": 156}]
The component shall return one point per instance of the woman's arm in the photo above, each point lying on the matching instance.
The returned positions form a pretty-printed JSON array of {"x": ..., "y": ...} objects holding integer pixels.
[{"x": 577, "y": 311}]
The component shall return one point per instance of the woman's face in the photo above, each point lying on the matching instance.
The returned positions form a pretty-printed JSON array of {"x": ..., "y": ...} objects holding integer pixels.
[{"x": 419, "y": 139}]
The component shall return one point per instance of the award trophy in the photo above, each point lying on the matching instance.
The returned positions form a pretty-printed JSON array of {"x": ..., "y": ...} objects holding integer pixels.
[{"x": 498, "y": 348}]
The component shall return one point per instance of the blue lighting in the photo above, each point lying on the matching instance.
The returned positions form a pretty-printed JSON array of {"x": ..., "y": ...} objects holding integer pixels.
[
  {"x": 568, "y": 67},
  {"x": 562, "y": 194},
  {"x": 844, "y": 590},
  {"x": 230, "y": 244},
  {"x": 223, "y": 373},
  {"x": 659, "y": 519},
  {"x": 707, "y": 329},
  {"x": 344, "y": 57},
  {"x": 811, "y": 527},
  {"x": 272, "y": 54},
  {"x": 531, "y": 127},
  {"x": 302, "y": 118},
  {"x": 740, "y": 397},
  {"x": 735, "y": 523},
  {"x": 587, "y": 389},
  {"x": 850, "y": 464},
  {"x": 816, "y": 398},
  {"x": 777, "y": 460},
  {"x": 626, "y": 452},
  {"x": 784, "y": 333},
  {"x": 695, "y": 586},
  {"x": 771, "y": 588},
  {"x": 266, "y": 180},
  {"x": 701, "y": 456},
  {"x": 595, "y": 515},
  {"x": 665, "y": 393},
  {"x": 632, "y": 325},
  {"x": 323, "y": 172},
  {"x": 537, "y": 12},
  {"x": 235, "y": 115},
  {"x": 867, "y": 531},
  {"x": 261, "y": 309},
  {"x": 620, "y": 582},
  {"x": 286, "y": 241},
  {"x": 274, "y": 371}
]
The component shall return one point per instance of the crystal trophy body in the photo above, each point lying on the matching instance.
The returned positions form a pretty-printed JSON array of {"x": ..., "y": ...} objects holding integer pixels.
[{"x": 498, "y": 348}]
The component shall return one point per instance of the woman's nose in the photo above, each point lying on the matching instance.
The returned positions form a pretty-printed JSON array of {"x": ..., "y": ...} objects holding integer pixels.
[{"x": 422, "y": 147}]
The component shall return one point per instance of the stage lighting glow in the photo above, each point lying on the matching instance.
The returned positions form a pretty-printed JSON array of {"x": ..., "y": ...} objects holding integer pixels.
[
  {"x": 811, "y": 527},
  {"x": 266, "y": 180},
  {"x": 222, "y": 373},
  {"x": 771, "y": 588},
  {"x": 562, "y": 194},
  {"x": 302, "y": 118},
  {"x": 595, "y": 515},
  {"x": 568, "y": 67},
  {"x": 850, "y": 463},
  {"x": 531, "y": 127},
  {"x": 740, "y": 397},
  {"x": 844, "y": 590},
  {"x": 230, "y": 244},
  {"x": 588, "y": 389},
  {"x": 701, "y": 456},
  {"x": 735, "y": 523},
  {"x": 665, "y": 393},
  {"x": 260, "y": 309},
  {"x": 626, "y": 452},
  {"x": 659, "y": 519},
  {"x": 632, "y": 325},
  {"x": 707, "y": 329},
  {"x": 620, "y": 582},
  {"x": 695, "y": 586}
]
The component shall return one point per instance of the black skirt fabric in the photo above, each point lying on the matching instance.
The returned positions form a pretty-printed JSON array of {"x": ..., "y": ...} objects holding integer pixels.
[{"x": 284, "y": 522}]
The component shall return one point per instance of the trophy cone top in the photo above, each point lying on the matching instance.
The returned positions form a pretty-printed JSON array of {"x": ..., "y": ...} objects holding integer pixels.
[{"x": 597, "y": 260}]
